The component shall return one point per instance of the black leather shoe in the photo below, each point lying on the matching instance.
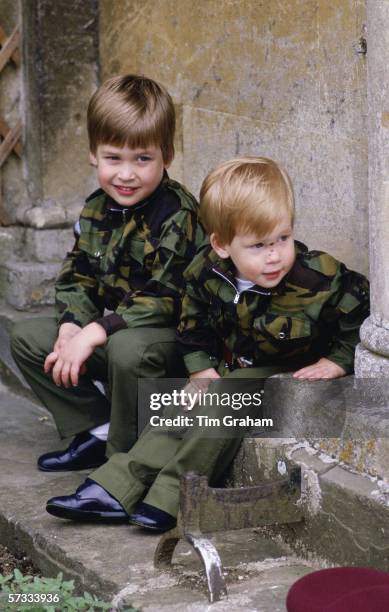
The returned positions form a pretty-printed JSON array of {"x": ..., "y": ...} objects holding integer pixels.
[
  {"x": 90, "y": 502},
  {"x": 151, "y": 517},
  {"x": 84, "y": 452}
]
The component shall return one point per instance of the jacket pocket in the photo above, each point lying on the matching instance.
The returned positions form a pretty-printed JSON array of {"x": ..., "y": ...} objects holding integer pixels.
[
  {"x": 95, "y": 245},
  {"x": 281, "y": 329}
]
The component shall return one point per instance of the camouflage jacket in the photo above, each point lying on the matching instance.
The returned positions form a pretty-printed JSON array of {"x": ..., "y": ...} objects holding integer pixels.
[
  {"x": 130, "y": 260},
  {"x": 315, "y": 311}
]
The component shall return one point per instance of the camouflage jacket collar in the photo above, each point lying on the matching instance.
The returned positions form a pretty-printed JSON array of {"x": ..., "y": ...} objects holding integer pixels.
[
  {"x": 127, "y": 212},
  {"x": 224, "y": 268}
]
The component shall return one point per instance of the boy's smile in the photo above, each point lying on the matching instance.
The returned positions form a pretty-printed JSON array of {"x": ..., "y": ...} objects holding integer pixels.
[
  {"x": 129, "y": 175},
  {"x": 262, "y": 260}
]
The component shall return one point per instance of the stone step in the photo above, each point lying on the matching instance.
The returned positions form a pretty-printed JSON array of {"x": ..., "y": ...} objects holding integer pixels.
[
  {"x": 116, "y": 562},
  {"x": 346, "y": 513},
  {"x": 346, "y": 419}
]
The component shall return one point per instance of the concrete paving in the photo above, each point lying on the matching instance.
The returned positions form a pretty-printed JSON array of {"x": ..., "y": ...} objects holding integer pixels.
[{"x": 116, "y": 562}]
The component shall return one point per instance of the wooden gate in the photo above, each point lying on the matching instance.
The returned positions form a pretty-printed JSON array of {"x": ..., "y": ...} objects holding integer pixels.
[{"x": 10, "y": 138}]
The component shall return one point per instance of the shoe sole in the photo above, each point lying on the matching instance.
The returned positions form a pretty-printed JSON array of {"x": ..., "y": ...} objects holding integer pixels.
[
  {"x": 76, "y": 469},
  {"x": 79, "y": 515},
  {"x": 158, "y": 529}
]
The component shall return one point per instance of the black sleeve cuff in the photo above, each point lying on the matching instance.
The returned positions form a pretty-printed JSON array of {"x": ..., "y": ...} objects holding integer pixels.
[
  {"x": 68, "y": 317},
  {"x": 112, "y": 323}
]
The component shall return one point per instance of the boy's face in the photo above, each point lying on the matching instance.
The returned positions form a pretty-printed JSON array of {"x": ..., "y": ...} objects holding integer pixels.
[
  {"x": 263, "y": 260},
  {"x": 128, "y": 175}
]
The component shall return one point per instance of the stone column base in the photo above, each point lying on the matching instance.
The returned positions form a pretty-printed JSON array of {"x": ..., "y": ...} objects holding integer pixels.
[
  {"x": 370, "y": 365},
  {"x": 375, "y": 335}
]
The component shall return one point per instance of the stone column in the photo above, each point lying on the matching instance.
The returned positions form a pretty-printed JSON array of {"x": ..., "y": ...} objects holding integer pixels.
[
  {"x": 372, "y": 356},
  {"x": 60, "y": 63}
]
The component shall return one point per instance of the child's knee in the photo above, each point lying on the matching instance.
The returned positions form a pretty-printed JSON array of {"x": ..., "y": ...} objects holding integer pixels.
[
  {"x": 135, "y": 353},
  {"x": 32, "y": 335},
  {"x": 125, "y": 351}
]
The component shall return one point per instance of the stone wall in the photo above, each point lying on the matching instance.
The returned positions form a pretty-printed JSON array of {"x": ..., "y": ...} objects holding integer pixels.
[
  {"x": 60, "y": 67},
  {"x": 282, "y": 79}
]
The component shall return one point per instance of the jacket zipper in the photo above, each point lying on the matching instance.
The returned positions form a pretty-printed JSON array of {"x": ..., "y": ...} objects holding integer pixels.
[{"x": 237, "y": 294}]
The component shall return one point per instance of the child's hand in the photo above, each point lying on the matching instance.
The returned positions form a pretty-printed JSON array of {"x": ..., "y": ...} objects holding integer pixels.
[
  {"x": 199, "y": 381},
  {"x": 324, "y": 369},
  {"x": 65, "y": 333},
  {"x": 68, "y": 362},
  {"x": 208, "y": 373}
]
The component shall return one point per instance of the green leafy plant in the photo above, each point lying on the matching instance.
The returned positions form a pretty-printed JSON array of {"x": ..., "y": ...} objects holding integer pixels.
[{"x": 35, "y": 594}]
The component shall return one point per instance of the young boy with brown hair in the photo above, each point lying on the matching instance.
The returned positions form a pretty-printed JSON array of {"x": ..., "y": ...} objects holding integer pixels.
[
  {"x": 135, "y": 236},
  {"x": 256, "y": 303}
]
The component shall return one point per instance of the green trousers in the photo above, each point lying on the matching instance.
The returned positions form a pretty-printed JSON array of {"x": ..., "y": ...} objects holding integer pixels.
[
  {"x": 152, "y": 469},
  {"x": 127, "y": 355}
]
